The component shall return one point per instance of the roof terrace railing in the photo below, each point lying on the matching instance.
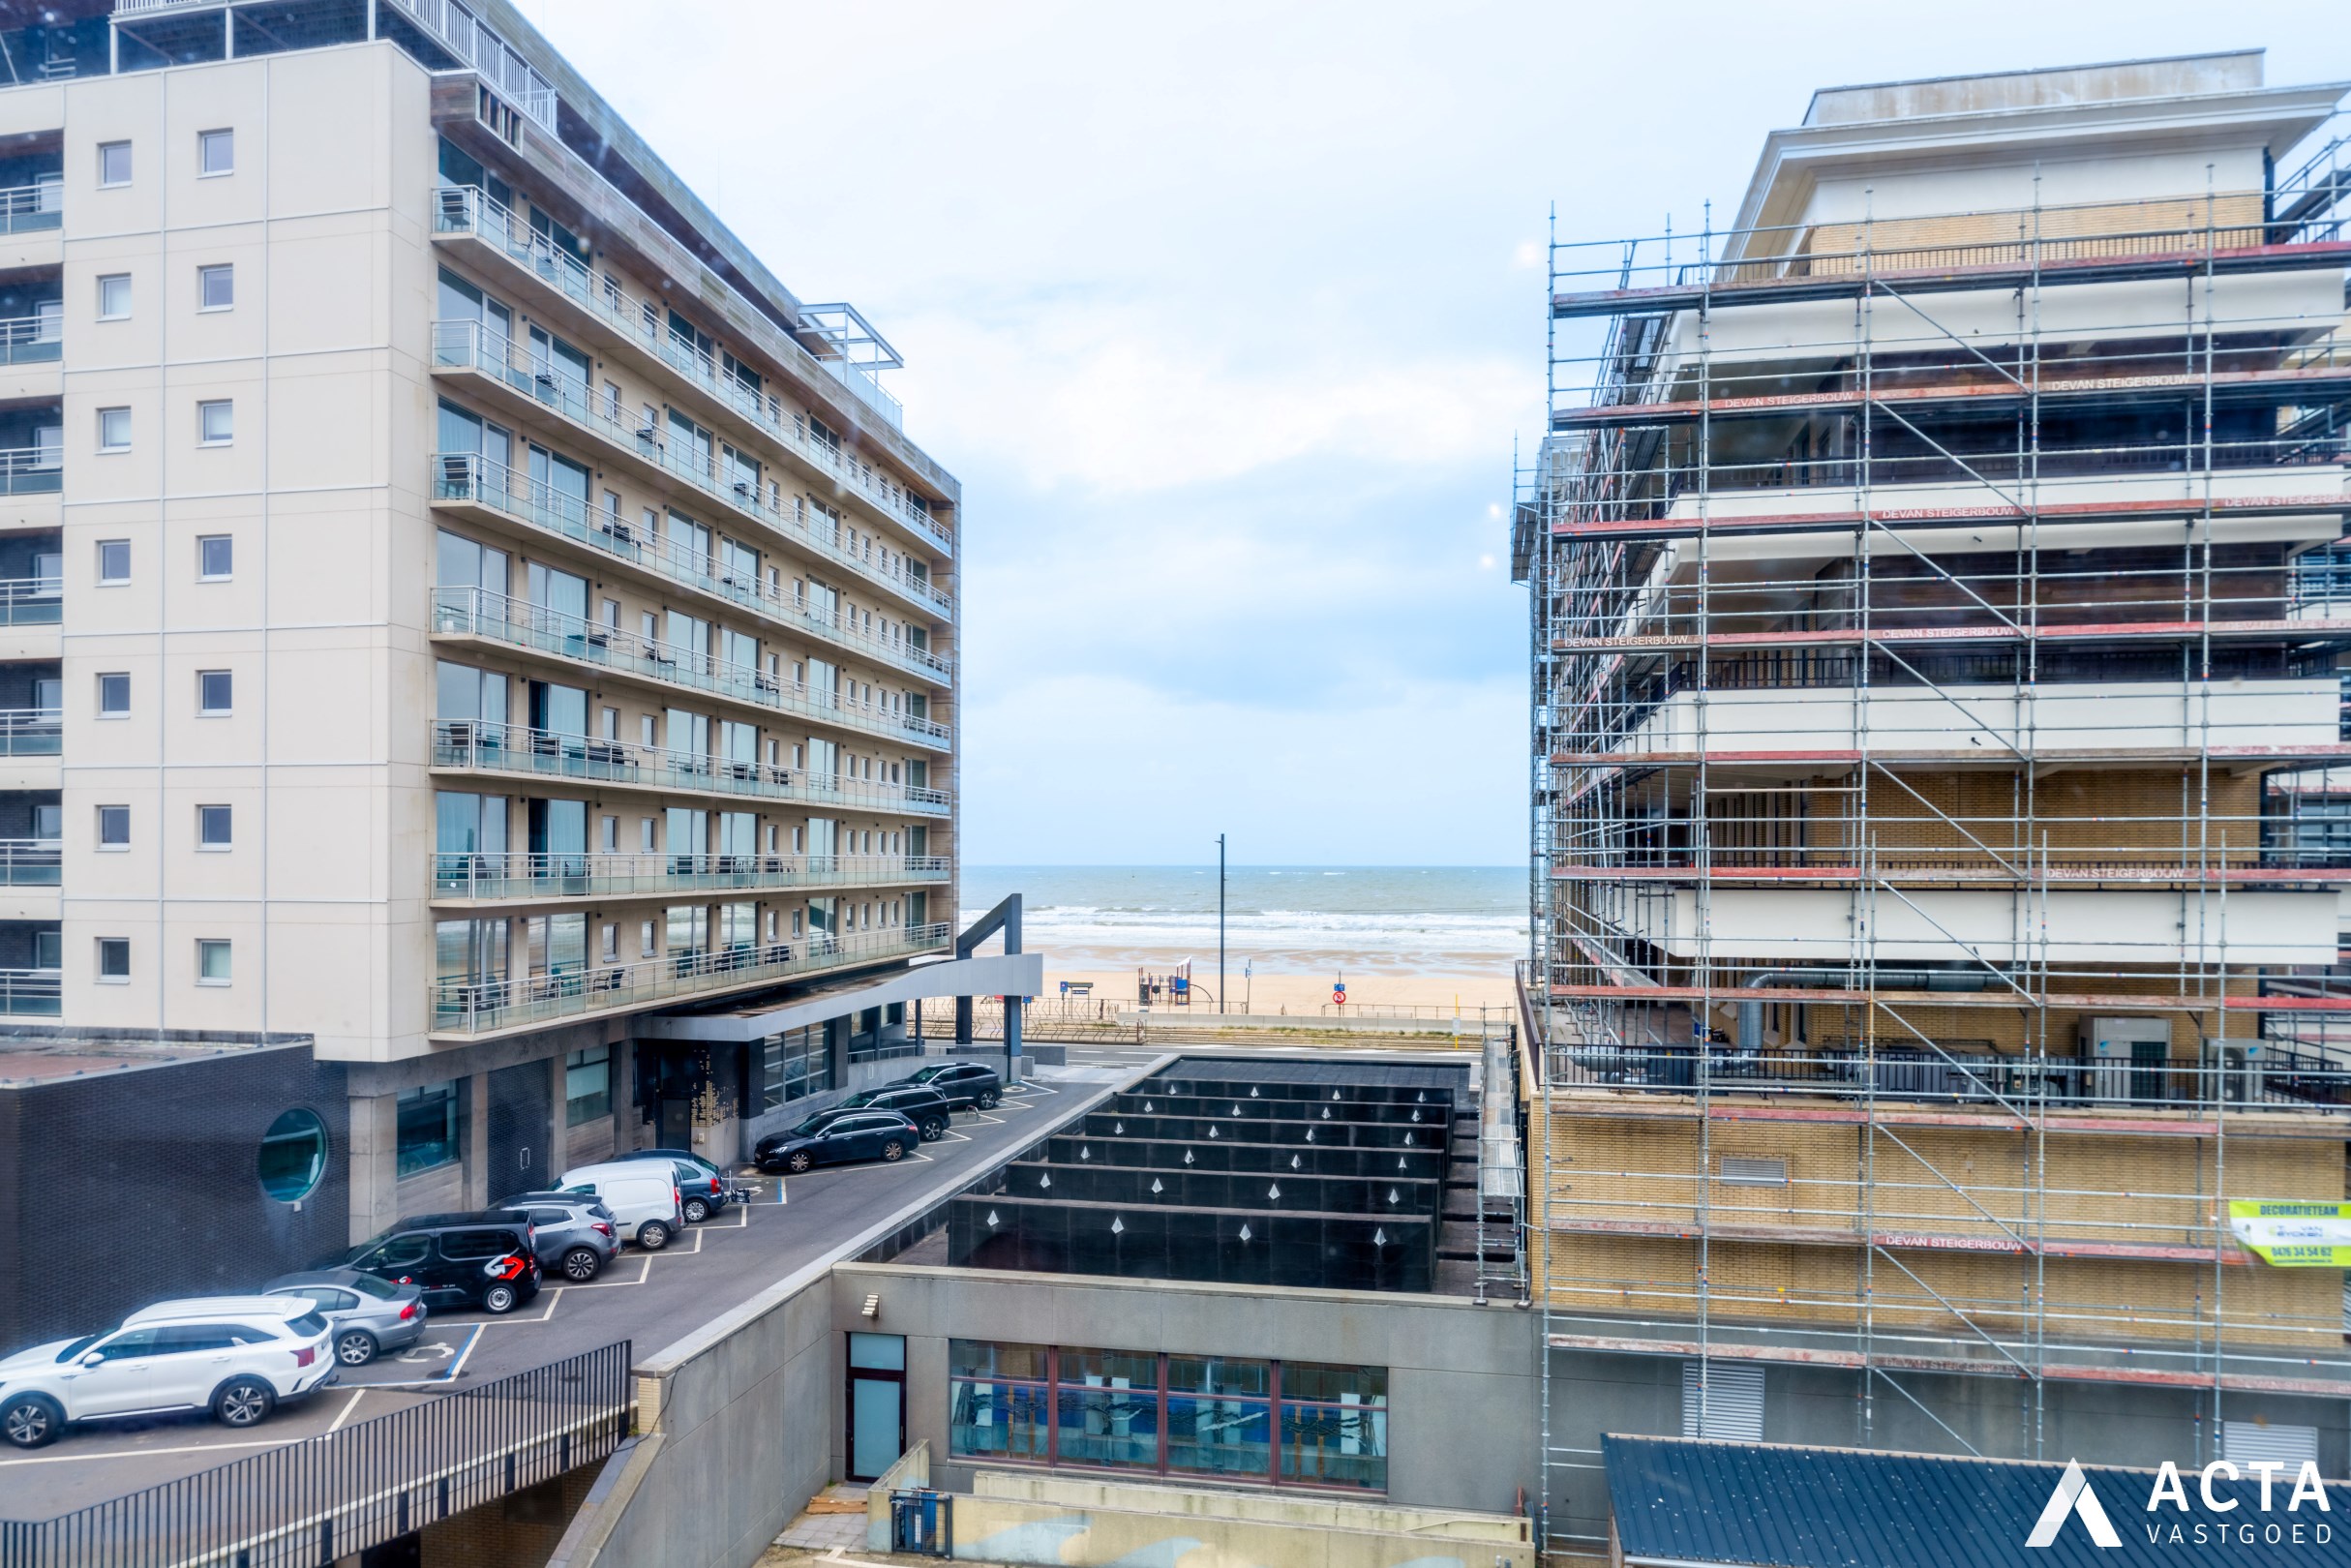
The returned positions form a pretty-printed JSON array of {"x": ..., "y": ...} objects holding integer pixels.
[{"x": 598, "y": 874}]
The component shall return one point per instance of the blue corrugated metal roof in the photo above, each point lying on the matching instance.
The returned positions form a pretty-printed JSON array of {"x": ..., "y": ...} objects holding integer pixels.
[{"x": 1683, "y": 1501}]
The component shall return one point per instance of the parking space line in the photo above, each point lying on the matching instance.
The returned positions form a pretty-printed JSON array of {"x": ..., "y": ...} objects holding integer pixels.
[
  {"x": 348, "y": 1406},
  {"x": 645, "y": 1268},
  {"x": 445, "y": 1373}
]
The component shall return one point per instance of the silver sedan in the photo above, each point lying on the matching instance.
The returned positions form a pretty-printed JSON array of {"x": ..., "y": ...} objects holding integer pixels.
[{"x": 369, "y": 1316}]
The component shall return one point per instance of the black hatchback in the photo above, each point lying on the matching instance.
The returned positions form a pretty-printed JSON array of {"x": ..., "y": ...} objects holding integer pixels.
[
  {"x": 457, "y": 1259},
  {"x": 836, "y": 1137},
  {"x": 918, "y": 1102},
  {"x": 967, "y": 1085}
]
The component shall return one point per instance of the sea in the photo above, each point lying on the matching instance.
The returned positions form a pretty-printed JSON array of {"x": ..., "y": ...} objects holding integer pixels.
[{"x": 1306, "y": 919}]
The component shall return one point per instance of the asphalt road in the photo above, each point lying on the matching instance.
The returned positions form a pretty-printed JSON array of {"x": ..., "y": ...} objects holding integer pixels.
[{"x": 650, "y": 1299}]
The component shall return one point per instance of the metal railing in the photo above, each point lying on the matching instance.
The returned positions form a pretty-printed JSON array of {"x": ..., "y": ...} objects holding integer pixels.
[
  {"x": 29, "y": 862},
  {"x": 24, "y": 208},
  {"x": 31, "y": 732},
  {"x": 32, "y": 340},
  {"x": 334, "y": 1496},
  {"x": 514, "y": 748},
  {"x": 2256, "y": 1075},
  {"x": 499, "y": 64},
  {"x": 465, "y": 209},
  {"x": 31, "y": 993},
  {"x": 475, "y": 1006},
  {"x": 32, "y": 470},
  {"x": 32, "y": 601},
  {"x": 605, "y": 874},
  {"x": 480, "y": 613},
  {"x": 470, "y": 477}
]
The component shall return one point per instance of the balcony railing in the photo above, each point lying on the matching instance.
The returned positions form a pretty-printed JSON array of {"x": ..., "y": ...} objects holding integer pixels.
[
  {"x": 2254, "y": 1076},
  {"x": 31, "y": 992},
  {"x": 29, "y": 862},
  {"x": 32, "y": 340},
  {"x": 468, "y": 477},
  {"x": 514, "y": 748},
  {"x": 31, "y": 732},
  {"x": 470, "y": 1005},
  {"x": 24, "y": 208},
  {"x": 32, "y": 470},
  {"x": 480, "y": 613},
  {"x": 465, "y": 209},
  {"x": 462, "y": 345},
  {"x": 538, "y": 874},
  {"x": 32, "y": 601}
]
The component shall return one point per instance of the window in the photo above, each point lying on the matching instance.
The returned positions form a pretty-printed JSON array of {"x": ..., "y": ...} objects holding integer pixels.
[
  {"x": 793, "y": 1065},
  {"x": 215, "y": 423},
  {"x": 115, "y": 961},
  {"x": 214, "y": 690},
  {"x": 113, "y": 162},
  {"x": 211, "y": 961},
  {"x": 216, "y": 287},
  {"x": 113, "y": 827},
  {"x": 113, "y": 561},
  {"x": 115, "y": 298},
  {"x": 587, "y": 1085},
  {"x": 1283, "y": 1423},
  {"x": 215, "y": 153},
  {"x": 212, "y": 826},
  {"x": 115, "y": 430},
  {"x": 427, "y": 1120},
  {"x": 113, "y": 696},
  {"x": 216, "y": 557}
]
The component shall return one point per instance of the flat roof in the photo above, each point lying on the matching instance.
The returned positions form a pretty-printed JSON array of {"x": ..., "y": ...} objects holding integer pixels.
[{"x": 30, "y": 1058}]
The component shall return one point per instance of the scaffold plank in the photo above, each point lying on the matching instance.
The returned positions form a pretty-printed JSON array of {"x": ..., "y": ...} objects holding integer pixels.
[
  {"x": 1912, "y": 1241},
  {"x": 2312, "y": 630},
  {"x": 1848, "y": 520}
]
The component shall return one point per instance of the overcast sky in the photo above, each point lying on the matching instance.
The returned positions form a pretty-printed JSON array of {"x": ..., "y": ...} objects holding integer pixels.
[{"x": 1227, "y": 317}]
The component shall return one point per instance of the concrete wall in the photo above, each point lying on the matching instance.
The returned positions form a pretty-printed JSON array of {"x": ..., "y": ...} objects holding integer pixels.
[
  {"x": 1461, "y": 1378},
  {"x": 1058, "y": 1520}
]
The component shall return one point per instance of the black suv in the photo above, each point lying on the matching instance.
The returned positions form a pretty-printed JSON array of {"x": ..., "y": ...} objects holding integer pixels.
[
  {"x": 967, "y": 1085},
  {"x": 918, "y": 1102},
  {"x": 489, "y": 1264}
]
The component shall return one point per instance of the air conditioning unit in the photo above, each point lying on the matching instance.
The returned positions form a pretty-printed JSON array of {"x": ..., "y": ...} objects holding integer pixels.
[{"x": 2114, "y": 1052}]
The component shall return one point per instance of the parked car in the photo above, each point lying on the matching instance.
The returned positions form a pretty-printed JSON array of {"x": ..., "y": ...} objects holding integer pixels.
[
  {"x": 729, "y": 1191},
  {"x": 838, "y": 1136},
  {"x": 237, "y": 1356},
  {"x": 967, "y": 1085},
  {"x": 703, "y": 1189},
  {"x": 646, "y": 1205},
  {"x": 572, "y": 1233},
  {"x": 368, "y": 1316},
  {"x": 464, "y": 1261},
  {"x": 918, "y": 1102}
]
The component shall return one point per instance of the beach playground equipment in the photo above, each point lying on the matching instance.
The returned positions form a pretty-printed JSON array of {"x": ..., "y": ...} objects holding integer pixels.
[{"x": 1172, "y": 989}]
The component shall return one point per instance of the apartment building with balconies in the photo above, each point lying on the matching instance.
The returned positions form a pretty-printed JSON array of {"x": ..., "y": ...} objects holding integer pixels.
[
  {"x": 1937, "y": 688},
  {"x": 455, "y": 602}
]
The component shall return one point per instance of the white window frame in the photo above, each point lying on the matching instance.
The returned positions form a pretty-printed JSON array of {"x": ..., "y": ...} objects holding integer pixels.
[
  {"x": 205, "y": 141},
  {"x": 226, "y": 409},
  {"x": 122, "y": 713},
  {"x": 108, "y": 282},
  {"x": 203, "y": 712},
  {"x": 204, "y": 576},
  {"x": 228, "y": 950},
  {"x": 104, "y": 978},
  {"x": 107, "y": 417},
  {"x": 105, "y": 183},
  {"x": 120, "y": 814},
  {"x": 104, "y": 578},
  {"x": 205, "y": 276},
  {"x": 205, "y": 846}
]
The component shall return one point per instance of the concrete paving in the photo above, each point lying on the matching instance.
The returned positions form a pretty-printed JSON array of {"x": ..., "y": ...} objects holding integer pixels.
[{"x": 650, "y": 1299}]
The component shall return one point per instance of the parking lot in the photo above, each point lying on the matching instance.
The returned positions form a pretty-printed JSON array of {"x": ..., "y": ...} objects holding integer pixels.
[{"x": 650, "y": 1299}]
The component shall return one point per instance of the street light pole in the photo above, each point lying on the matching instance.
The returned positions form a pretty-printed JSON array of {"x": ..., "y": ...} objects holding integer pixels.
[{"x": 1219, "y": 922}]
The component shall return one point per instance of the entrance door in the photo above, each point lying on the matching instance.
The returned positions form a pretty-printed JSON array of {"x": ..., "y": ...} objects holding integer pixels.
[
  {"x": 520, "y": 1121},
  {"x": 877, "y": 1404}
]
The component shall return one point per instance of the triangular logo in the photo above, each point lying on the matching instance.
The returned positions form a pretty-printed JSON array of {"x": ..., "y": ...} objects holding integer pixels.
[{"x": 2073, "y": 1496}]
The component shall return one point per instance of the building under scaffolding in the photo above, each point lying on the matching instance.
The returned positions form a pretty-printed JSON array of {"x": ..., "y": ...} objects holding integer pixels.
[{"x": 1939, "y": 785}]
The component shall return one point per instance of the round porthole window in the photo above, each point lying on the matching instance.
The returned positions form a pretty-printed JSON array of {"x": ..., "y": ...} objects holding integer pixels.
[{"x": 293, "y": 1156}]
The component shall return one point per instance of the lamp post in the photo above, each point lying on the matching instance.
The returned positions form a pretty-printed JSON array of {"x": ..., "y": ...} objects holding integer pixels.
[{"x": 1219, "y": 922}]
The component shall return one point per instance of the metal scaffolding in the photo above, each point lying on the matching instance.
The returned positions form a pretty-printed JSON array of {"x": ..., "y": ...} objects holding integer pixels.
[{"x": 1936, "y": 626}]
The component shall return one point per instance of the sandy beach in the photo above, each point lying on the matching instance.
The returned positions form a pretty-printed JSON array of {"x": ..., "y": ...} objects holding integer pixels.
[{"x": 1291, "y": 993}]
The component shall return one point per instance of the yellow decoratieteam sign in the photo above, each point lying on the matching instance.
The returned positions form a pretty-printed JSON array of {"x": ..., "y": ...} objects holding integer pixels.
[{"x": 2295, "y": 1235}]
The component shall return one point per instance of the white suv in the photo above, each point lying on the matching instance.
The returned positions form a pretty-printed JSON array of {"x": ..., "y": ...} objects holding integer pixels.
[{"x": 237, "y": 1356}]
